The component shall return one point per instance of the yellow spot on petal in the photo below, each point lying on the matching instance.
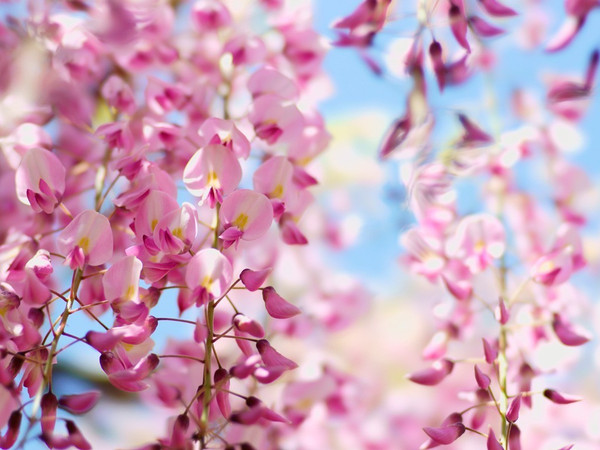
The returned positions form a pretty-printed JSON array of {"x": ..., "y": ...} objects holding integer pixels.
[
  {"x": 213, "y": 180},
  {"x": 178, "y": 232},
  {"x": 207, "y": 282},
  {"x": 84, "y": 244},
  {"x": 127, "y": 347},
  {"x": 479, "y": 246},
  {"x": 277, "y": 192},
  {"x": 153, "y": 224},
  {"x": 547, "y": 266},
  {"x": 241, "y": 221},
  {"x": 130, "y": 291}
]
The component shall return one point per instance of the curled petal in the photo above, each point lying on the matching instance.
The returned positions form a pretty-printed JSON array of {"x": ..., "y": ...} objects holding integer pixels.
[
  {"x": 433, "y": 375},
  {"x": 483, "y": 28},
  {"x": 79, "y": 403},
  {"x": 254, "y": 279},
  {"x": 276, "y": 306},
  {"x": 272, "y": 357},
  {"x": 561, "y": 399},
  {"x": 567, "y": 333},
  {"x": 445, "y": 435}
]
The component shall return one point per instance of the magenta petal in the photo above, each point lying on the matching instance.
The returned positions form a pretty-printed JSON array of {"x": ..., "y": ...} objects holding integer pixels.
[
  {"x": 567, "y": 333},
  {"x": 445, "y": 435},
  {"x": 254, "y": 279},
  {"x": 458, "y": 25},
  {"x": 492, "y": 442},
  {"x": 512, "y": 415},
  {"x": 247, "y": 325},
  {"x": 79, "y": 403},
  {"x": 272, "y": 357},
  {"x": 591, "y": 70},
  {"x": 514, "y": 439},
  {"x": 433, "y": 375},
  {"x": 277, "y": 307},
  {"x": 12, "y": 433},
  {"x": 483, "y": 28},
  {"x": 483, "y": 381},
  {"x": 495, "y": 8},
  {"x": 221, "y": 378},
  {"x": 561, "y": 399}
]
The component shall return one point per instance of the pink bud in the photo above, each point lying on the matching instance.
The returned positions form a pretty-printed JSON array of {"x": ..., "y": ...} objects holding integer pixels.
[
  {"x": 483, "y": 381},
  {"x": 49, "y": 404},
  {"x": 79, "y": 403},
  {"x": 12, "y": 433},
  {"x": 565, "y": 34},
  {"x": 502, "y": 314},
  {"x": 272, "y": 357},
  {"x": 221, "y": 379},
  {"x": 514, "y": 439},
  {"x": 254, "y": 279},
  {"x": 492, "y": 442},
  {"x": 434, "y": 375},
  {"x": 567, "y": 333},
  {"x": 75, "y": 436},
  {"x": 490, "y": 351},
  {"x": 276, "y": 306},
  {"x": 512, "y": 414},
  {"x": 561, "y": 399},
  {"x": 247, "y": 325}
]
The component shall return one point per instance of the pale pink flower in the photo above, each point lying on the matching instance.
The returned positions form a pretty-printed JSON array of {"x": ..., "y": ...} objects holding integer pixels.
[
  {"x": 208, "y": 275},
  {"x": 478, "y": 241},
  {"x": 40, "y": 180},
  {"x": 212, "y": 173},
  {"x": 87, "y": 239},
  {"x": 268, "y": 80},
  {"x": 244, "y": 214},
  {"x": 176, "y": 231},
  {"x": 224, "y": 132},
  {"x": 209, "y": 15},
  {"x": 275, "y": 121},
  {"x": 121, "y": 280}
]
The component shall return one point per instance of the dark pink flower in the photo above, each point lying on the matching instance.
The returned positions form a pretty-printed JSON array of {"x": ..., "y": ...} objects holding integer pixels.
[
  {"x": 561, "y": 399},
  {"x": 433, "y": 375},
  {"x": 277, "y": 306}
]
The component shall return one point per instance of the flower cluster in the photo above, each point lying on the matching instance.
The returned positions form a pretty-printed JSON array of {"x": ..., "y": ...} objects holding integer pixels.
[
  {"x": 130, "y": 98},
  {"x": 508, "y": 266}
]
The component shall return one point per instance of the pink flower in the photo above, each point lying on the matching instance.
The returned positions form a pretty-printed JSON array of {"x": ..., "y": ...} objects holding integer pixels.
[
  {"x": 567, "y": 333},
  {"x": 212, "y": 173},
  {"x": 495, "y": 8},
  {"x": 210, "y": 15},
  {"x": 452, "y": 428},
  {"x": 483, "y": 28},
  {"x": 128, "y": 377},
  {"x": 254, "y": 279},
  {"x": 40, "y": 180},
  {"x": 119, "y": 94},
  {"x": 224, "y": 132},
  {"x": 121, "y": 280},
  {"x": 208, "y": 275},
  {"x": 87, "y": 239},
  {"x": 244, "y": 214},
  {"x": 176, "y": 231},
  {"x": 274, "y": 179},
  {"x": 275, "y": 121},
  {"x": 479, "y": 240},
  {"x": 268, "y": 80}
]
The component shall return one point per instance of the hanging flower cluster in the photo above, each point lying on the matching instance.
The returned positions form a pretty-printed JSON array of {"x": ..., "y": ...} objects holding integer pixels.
[
  {"x": 160, "y": 145},
  {"x": 509, "y": 266}
]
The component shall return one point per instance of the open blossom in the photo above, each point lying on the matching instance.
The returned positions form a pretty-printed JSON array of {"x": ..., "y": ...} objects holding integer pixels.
[
  {"x": 87, "y": 239},
  {"x": 212, "y": 173},
  {"x": 208, "y": 275},
  {"x": 226, "y": 133},
  {"x": 478, "y": 241},
  {"x": 121, "y": 280},
  {"x": 245, "y": 214},
  {"x": 40, "y": 180},
  {"x": 275, "y": 121}
]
